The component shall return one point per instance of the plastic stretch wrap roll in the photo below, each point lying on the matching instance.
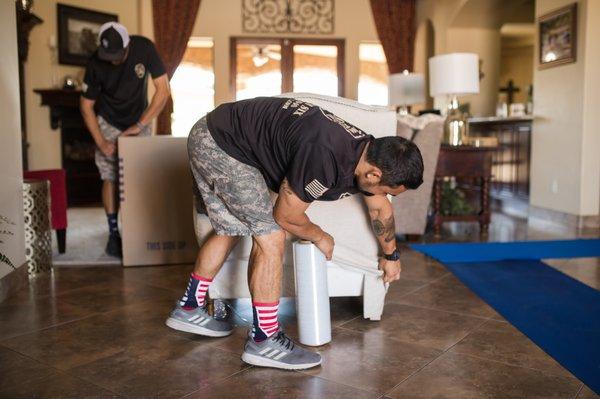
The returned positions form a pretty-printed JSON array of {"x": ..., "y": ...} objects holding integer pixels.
[{"x": 312, "y": 295}]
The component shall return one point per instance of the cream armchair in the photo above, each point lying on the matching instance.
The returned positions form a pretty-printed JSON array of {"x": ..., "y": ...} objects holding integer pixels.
[{"x": 353, "y": 271}]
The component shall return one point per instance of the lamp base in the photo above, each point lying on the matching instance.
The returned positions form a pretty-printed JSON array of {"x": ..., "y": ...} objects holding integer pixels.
[{"x": 455, "y": 126}]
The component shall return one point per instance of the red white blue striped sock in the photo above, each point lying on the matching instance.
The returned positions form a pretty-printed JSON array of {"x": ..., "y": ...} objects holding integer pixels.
[
  {"x": 195, "y": 294},
  {"x": 265, "y": 320}
]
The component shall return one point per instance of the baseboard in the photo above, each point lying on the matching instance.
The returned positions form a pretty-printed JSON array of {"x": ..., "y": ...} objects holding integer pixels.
[
  {"x": 567, "y": 220},
  {"x": 13, "y": 281},
  {"x": 515, "y": 207}
]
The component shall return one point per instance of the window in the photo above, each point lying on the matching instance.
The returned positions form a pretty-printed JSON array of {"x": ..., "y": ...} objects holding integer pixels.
[
  {"x": 373, "y": 75},
  {"x": 267, "y": 67},
  {"x": 315, "y": 69},
  {"x": 193, "y": 86}
]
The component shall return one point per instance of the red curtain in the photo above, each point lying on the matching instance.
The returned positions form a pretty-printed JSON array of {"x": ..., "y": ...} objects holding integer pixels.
[
  {"x": 395, "y": 24},
  {"x": 173, "y": 24}
]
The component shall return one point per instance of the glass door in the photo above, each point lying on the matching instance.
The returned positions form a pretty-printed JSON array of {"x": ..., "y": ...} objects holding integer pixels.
[{"x": 267, "y": 67}]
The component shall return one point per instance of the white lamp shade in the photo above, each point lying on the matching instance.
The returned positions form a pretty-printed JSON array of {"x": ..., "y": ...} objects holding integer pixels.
[
  {"x": 455, "y": 73},
  {"x": 406, "y": 89}
]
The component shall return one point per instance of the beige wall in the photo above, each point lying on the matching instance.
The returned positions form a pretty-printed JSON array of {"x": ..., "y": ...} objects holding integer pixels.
[
  {"x": 43, "y": 71},
  {"x": 565, "y": 170},
  {"x": 590, "y": 154},
  {"x": 483, "y": 38},
  {"x": 486, "y": 43},
  {"x": 516, "y": 63},
  {"x": 11, "y": 180},
  {"x": 222, "y": 19}
]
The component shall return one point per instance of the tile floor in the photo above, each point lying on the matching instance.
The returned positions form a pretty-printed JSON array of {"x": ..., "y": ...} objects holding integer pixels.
[{"x": 99, "y": 333}]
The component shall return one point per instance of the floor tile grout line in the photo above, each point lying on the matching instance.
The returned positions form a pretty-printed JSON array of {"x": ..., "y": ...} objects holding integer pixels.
[
  {"x": 68, "y": 371},
  {"x": 579, "y": 391},
  {"x": 48, "y": 327},
  {"x": 248, "y": 367},
  {"x": 305, "y": 372},
  {"x": 345, "y": 322},
  {"x": 434, "y": 359},
  {"x": 56, "y": 370},
  {"x": 394, "y": 339},
  {"x": 548, "y": 373},
  {"x": 443, "y": 310}
]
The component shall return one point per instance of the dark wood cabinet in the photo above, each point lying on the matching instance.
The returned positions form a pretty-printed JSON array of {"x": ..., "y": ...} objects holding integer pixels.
[
  {"x": 77, "y": 147},
  {"x": 472, "y": 167},
  {"x": 511, "y": 160}
]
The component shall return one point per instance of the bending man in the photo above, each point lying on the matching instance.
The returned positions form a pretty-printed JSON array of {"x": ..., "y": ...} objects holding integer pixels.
[{"x": 239, "y": 152}]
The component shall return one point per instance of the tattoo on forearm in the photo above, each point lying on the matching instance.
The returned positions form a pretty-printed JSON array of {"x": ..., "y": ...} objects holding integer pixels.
[
  {"x": 385, "y": 228},
  {"x": 285, "y": 186}
]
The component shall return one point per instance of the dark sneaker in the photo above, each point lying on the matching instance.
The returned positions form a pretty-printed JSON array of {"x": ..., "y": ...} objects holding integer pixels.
[
  {"x": 198, "y": 321},
  {"x": 113, "y": 246},
  {"x": 279, "y": 351}
]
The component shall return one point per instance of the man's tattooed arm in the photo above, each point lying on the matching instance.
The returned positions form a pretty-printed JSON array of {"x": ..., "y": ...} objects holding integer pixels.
[{"x": 384, "y": 228}]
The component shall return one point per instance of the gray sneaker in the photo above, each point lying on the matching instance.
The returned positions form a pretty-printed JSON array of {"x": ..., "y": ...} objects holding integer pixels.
[
  {"x": 280, "y": 352},
  {"x": 198, "y": 321}
]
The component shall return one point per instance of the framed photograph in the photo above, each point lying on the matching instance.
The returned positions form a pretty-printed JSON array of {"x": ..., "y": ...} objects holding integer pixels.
[
  {"x": 78, "y": 33},
  {"x": 558, "y": 37}
]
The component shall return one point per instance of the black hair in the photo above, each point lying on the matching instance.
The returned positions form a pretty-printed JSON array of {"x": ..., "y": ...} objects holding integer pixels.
[{"x": 399, "y": 159}]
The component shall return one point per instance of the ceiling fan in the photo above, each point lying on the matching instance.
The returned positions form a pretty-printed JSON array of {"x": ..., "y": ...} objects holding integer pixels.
[{"x": 261, "y": 55}]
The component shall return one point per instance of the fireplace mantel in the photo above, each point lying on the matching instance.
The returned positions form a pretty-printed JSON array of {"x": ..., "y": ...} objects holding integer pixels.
[
  {"x": 77, "y": 146},
  {"x": 59, "y": 101}
]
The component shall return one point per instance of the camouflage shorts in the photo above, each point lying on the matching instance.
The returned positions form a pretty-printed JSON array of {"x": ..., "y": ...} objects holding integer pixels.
[
  {"x": 233, "y": 195},
  {"x": 108, "y": 166}
]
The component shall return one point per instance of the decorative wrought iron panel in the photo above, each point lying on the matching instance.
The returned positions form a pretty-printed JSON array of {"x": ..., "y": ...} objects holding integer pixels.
[{"x": 288, "y": 16}]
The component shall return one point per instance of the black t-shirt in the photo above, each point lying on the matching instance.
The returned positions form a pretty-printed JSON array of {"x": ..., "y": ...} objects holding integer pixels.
[
  {"x": 120, "y": 90},
  {"x": 283, "y": 137}
]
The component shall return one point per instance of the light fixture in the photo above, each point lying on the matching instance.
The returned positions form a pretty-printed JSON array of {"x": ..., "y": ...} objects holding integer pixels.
[
  {"x": 453, "y": 75},
  {"x": 260, "y": 58},
  {"x": 406, "y": 89}
]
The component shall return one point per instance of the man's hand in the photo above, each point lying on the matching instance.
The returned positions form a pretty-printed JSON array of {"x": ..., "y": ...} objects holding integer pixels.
[
  {"x": 325, "y": 245},
  {"x": 108, "y": 148},
  {"x": 131, "y": 131},
  {"x": 391, "y": 269}
]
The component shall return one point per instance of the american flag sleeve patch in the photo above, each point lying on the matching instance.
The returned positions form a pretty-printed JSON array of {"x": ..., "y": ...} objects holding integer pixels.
[{"x": 315, "y": 189}]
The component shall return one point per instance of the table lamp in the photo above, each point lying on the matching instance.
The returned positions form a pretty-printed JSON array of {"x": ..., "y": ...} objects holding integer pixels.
[
  {"x": 405, "y": 89},
  {"x": 453, "y": 75}
]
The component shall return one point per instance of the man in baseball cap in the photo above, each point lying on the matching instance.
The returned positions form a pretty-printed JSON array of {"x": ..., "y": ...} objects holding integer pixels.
[
  {"x": 114, "y": 103},
  {"x": 114, "y": 40}
]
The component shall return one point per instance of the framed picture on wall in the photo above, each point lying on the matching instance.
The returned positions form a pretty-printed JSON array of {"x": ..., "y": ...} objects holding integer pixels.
[
  {"x": 78, "y": 33},
  {"x": 558, "y": 37}
]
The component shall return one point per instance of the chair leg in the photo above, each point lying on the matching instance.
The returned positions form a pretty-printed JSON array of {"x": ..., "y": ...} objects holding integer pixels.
[{"x": 61, "y": 237}]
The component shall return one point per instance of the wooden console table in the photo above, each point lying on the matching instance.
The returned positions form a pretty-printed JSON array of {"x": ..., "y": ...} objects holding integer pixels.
[{"x": 463, "y": 162}]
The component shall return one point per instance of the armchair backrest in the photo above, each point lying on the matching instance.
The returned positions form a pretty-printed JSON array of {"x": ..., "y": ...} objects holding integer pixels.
[{"x": 377, "y": 121}]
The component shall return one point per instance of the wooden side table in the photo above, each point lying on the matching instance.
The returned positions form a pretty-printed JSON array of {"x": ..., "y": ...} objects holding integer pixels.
[{"x": 463, "y": 162}]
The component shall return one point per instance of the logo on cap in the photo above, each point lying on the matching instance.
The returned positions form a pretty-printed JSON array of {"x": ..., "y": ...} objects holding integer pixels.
[{"x": 104, "y": 43}]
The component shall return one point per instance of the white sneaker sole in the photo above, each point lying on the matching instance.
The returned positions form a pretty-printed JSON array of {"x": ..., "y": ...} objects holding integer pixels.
[
  {"x": 186, "y": 327},
  {"x": 261, "y": 361}
]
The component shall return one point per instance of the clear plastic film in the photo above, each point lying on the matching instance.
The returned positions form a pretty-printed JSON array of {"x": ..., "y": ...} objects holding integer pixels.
[{"x": 312, "y": 295}]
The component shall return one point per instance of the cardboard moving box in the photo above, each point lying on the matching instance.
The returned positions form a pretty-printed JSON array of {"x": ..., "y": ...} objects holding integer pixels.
[{"x": 156, "y": 201}]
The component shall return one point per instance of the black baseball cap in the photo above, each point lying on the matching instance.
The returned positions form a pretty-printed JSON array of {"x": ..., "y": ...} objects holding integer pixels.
[{"x": 114, "y": 40}]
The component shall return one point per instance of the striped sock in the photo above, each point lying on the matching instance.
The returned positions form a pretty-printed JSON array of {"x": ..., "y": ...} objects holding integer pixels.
[
  {"x": 265, "y": 320},
  {"x": 195, "y": 294}
]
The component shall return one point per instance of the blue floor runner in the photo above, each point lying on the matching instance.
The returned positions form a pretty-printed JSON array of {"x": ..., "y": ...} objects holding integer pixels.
[
  {"x": 484, "y": 252},
  {"x": 560, "y": 314}
]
